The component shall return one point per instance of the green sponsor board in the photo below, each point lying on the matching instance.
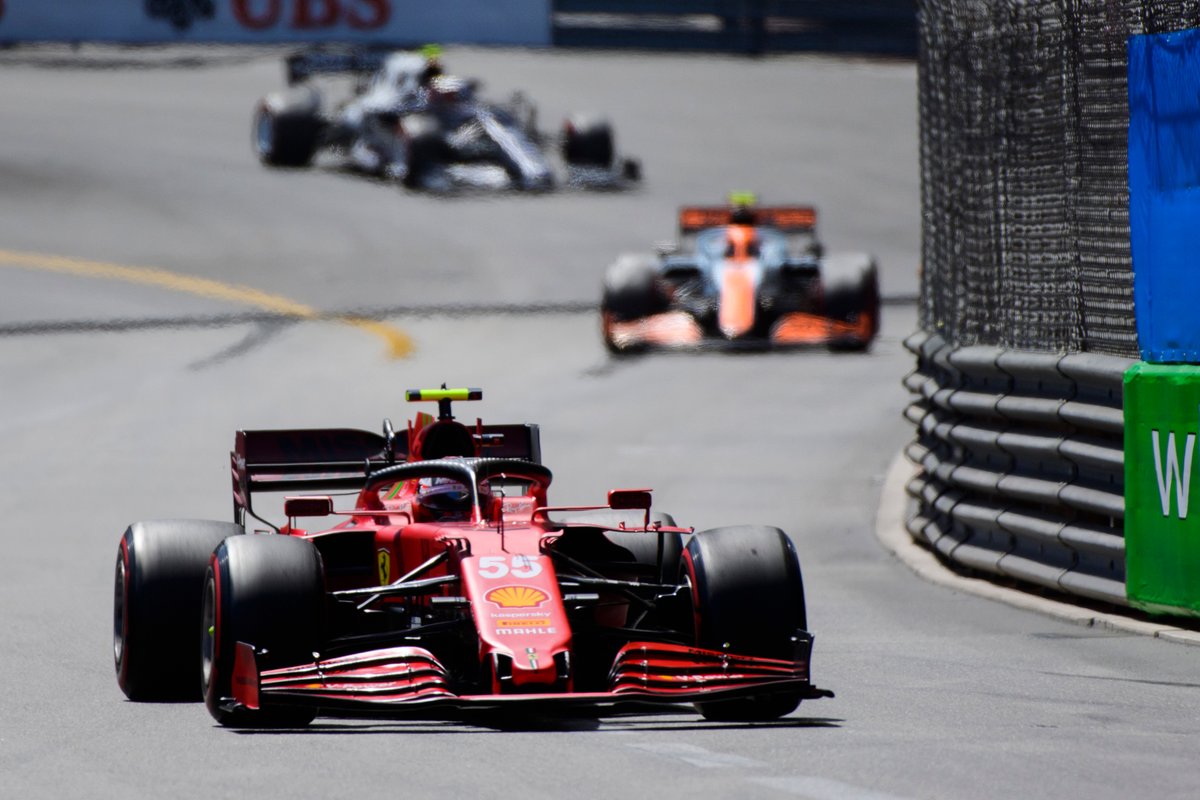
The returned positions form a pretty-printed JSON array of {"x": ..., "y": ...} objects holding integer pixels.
[{"x": 1162, "y": 508}]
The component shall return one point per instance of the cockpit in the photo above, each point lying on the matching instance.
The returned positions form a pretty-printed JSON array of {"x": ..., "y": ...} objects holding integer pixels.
[
  {"x": 455, "y": 489},
  {"x": 740, "y": 242}
]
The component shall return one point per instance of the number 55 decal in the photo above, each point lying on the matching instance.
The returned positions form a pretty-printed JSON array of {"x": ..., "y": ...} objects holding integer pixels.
[{"x": 517, "y": 566}]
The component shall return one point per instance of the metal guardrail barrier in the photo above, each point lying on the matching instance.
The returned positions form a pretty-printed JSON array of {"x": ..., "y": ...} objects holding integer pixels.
[
  {"x": 878, "y": 27},
  {"x": 1021, "y": 460}
]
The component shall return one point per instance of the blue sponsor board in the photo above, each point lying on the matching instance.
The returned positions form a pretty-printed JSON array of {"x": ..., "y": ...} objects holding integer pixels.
[
  {"x": 1164, "y": 193},
  {"x": 381, "y": 22}
]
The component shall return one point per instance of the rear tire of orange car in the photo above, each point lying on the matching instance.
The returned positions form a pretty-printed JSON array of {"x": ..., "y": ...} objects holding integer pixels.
[
  {"x": 156, "y": 602},
  {"x": 268, "y": 591},
  {"x": 748, "y": 599}
]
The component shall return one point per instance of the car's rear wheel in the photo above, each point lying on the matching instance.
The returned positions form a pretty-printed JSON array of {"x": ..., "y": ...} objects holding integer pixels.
[
  {"x": 267, "y": 591},
  {"x": 156, "y": 603},
  {"x": 748, "y": 599}
]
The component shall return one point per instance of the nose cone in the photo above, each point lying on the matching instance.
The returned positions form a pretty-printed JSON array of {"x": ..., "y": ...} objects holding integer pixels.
[{"x": 735, "y": 316}]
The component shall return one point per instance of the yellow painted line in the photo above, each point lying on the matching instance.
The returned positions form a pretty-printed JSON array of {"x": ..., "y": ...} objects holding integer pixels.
[{"x": 399, "y": 344}]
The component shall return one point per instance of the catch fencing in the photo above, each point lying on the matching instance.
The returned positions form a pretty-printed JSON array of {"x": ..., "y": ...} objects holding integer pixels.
[{"x": 1026, "y": 304}]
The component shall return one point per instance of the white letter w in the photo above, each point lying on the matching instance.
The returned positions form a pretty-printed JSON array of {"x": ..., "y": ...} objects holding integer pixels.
[{"x": 1182, "y": 487}]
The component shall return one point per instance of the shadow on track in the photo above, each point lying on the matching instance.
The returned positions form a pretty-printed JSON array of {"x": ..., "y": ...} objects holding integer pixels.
[{"x": 491, "y": 724}]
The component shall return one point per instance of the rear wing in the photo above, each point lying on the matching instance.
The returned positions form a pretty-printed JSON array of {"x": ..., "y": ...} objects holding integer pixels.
[
  {"x": 789, "y": 219},
  {"x": 320, "y": 459},
  {"x": 302, "y": 66}
]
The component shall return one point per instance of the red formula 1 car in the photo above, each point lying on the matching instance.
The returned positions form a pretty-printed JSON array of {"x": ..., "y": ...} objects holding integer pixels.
[
  {"x": 450, "y": 584},
  {"x": 741, "y": 275}
]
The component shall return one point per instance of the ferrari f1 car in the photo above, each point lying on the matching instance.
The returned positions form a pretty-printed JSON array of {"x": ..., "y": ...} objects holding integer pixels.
[
  {"x": 450, "y": 584},
  {"x": 741, "y": 275},
  {"x": 406, "y": 120}
]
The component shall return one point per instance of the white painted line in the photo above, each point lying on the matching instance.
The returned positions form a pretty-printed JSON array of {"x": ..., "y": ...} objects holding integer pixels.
[
  {"x": 823, "y": 789},
  {"x": 697, "y": 756}
]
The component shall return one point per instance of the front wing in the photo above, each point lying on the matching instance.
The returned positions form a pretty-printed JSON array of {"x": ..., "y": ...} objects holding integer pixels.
[
  {"x": 409, "y": 682},
  {"x": 678, "y": 329}
]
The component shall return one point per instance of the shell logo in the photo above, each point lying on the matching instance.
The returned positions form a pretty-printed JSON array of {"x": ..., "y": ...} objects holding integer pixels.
[{"x": 516, "y": 597}]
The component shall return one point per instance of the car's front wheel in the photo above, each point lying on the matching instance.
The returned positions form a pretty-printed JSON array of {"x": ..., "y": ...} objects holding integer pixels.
[
  {"x": 850, "y": 284},
  {"x": 748, "y": 598},
  {"x": 268, "y": 591},
  {"x": 287, "y": 128},
  {"x": 631, "y": 291}
]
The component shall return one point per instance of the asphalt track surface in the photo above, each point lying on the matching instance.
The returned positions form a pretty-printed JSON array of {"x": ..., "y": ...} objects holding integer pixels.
[{"x": 120, "y": 389}]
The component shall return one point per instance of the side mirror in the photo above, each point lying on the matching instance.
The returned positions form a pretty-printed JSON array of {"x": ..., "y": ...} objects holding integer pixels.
[
  {"x": 313, "y": 506},
  {"x": 629, "y": 499}
]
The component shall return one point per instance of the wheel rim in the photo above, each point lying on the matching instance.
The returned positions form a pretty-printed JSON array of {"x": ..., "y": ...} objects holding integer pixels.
[
  {"x": 208, "y": 632},
  {"x": 119, "y": 610}
]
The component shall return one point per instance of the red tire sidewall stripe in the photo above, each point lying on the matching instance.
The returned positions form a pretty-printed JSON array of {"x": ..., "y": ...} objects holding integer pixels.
[{"x": 123, "y": 667}]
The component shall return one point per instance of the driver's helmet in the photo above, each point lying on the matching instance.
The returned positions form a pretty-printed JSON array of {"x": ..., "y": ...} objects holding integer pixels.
[
  {"x": 741, "y": 241},
  {"x": 444, "y": 498},
  {"x": 433, "y": 64},
  {"x": 431, "y": 71},
  {"x": 448, "y": 89}
]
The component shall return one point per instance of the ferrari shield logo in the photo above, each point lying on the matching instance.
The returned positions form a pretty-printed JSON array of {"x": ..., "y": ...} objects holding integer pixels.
[{"x": 385, "y": 567}]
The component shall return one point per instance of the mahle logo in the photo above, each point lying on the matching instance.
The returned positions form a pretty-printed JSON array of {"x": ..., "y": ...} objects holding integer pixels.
[{"x": 1167, "y": 471}]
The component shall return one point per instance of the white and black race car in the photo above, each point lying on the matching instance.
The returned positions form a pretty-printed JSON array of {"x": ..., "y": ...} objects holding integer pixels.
[{"x": 407, "y": 120}]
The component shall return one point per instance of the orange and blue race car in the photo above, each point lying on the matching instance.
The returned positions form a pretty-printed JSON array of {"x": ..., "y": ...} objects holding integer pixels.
[
  {"x": 741, "y": 275},
  {"x": 447, "y": 585}
]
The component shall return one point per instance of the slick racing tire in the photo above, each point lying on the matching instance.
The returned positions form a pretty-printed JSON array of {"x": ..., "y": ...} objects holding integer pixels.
[
  {"x": 631, "y": 291},
  {"x": 265, "y": 590},
  {"x": 156, "y": 605},
  {"x": 851, "y": 288},
  {"x": 287, "y": 128},
  {"x": 748, "y": 599},
  {"x": 588, "y": 142}
]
